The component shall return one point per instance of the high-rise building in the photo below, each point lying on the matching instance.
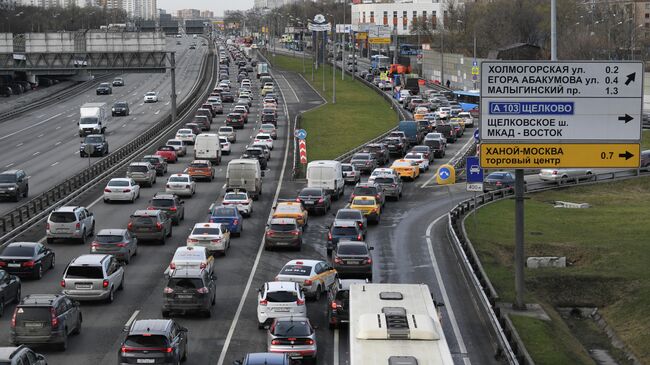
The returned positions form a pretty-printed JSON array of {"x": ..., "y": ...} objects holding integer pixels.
[
  {"x": 7, "y": 4},
  {"x": 141, "y": 9},
  {"x": 188, "y": 13},
  {"x": 207, "y": 14}
]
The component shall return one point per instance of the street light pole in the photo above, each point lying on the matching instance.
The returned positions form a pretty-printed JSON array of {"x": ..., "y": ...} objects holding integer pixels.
[{"x": 334, "y": 61}]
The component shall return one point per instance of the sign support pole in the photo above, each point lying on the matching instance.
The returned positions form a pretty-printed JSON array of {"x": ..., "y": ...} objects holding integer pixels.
[{"x": 519, "y": 240}]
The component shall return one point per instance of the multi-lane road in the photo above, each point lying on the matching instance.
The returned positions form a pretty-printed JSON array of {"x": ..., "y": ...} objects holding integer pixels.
[
  {"x": 45, "y": 141},
  {"x": 411, "y": 246}
]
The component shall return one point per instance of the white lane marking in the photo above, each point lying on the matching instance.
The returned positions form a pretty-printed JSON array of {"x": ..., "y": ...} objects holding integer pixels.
[
  {"x": 157, "y": 112},
  {"x": 335, "y": 360},
  {"x": 131, "y": 319},
  {"x": 57, "y": 143},
  {"x": 59, "y": 127},
  {"x": 11, "y": 164},
  {"x": 40, "y": 135},
  {"x": 36, "y": 153},
  {"x": 19, "y": 144},
  {"x": 167, "y": 103},
  {"x": 54, "y": 164},
  {"x": 30, "y": 127},
  {"x": 70, "y": 116},
  {"x": 441, "y": 285},
  {"x": 240, "y": 307},
  {"x": 291, "y": 88},
  {"x": 462, "y": 150}
]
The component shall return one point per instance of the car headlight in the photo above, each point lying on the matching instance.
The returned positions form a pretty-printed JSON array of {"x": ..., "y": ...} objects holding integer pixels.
[
  {"x": 113, "y": 109},
  {"x": 12, "y": 188}
]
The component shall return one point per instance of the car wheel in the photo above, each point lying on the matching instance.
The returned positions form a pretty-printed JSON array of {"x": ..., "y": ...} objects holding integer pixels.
[
  {"x": 260, "y": 326},
  {"x": 317, "y": 294},
  {"x": 77, "y": 330},
  {"x": 49, "y": 240},
  {"x": 64, "y": 345},
  {"x": 2, "y": 306},
  {"x": 52, "y": 262},
  {"x": 17, "y": 298},
  {"x": 111, "y": 296},
  {"x": 38, "y": 272}
]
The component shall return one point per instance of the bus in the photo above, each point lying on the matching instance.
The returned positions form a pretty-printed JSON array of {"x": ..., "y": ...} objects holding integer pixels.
[
  {"x": 468, "y": 100},
  {"x": 379, "y": 62},
  {"x": 409, "y": 50},
  {"x": 395, "y": 324}
]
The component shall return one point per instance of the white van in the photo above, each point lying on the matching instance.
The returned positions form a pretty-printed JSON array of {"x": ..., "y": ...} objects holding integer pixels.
[
  {"x": 207, "y": 147},
  {"x": 328, "y": 175},
  {"x": 245, "y": 174}
]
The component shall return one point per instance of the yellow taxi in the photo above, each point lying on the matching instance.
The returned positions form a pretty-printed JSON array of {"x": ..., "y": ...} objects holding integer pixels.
[
  {"x": 293, "y": 210},
  {"x": 406, "y": 168},
  {"x": 369, "y": 206},
  {"x": 419, "y": 116}
]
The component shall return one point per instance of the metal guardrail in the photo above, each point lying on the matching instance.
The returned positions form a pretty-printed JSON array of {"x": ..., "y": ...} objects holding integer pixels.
[
  {"x": 56, "y": 97},
  {"x": 510, "y": 345},
  {"x": 23, "y": 217}
]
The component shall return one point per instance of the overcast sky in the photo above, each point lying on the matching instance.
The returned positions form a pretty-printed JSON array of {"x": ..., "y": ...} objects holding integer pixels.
[{"x": 218, "y": 6}]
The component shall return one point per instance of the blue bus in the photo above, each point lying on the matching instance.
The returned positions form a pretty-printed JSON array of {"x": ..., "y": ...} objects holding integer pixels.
[
  {"x": 468, "y": 100},
  {"x": 380, "y": 62}
]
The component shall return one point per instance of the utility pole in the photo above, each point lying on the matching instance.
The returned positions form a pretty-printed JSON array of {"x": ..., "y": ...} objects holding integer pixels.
[
  {"x": 334, "y": 51},
  {"x": 324, "y": 56},
  {"x": 343, "y": 42},
  {"x": 442, "y": 55},
  {"x": 172, "y": 64}
]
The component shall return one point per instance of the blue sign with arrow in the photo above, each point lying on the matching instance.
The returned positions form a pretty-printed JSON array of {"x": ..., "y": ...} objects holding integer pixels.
[
  {"x": 300, "y": 133},
  {"x": 477, "y": 135},
  {"x": 473, "y": 170}
]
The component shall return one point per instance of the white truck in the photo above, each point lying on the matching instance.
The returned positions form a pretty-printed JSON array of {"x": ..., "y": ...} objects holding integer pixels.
[
  {"x": 207, "y": 147},
  {"x": 245, "y": 174},
  {"x": 262, "y": 69},
  {"x": 93, "y": 118},
  {"x": 326, "y": 174}
]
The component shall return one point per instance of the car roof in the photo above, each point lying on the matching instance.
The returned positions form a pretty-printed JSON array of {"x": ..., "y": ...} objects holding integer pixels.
[
  {"x": 207, "y": 225},
  {"x": 187, "y": 272},
  {"x": 344, "y": 223},
  {"x": 141, "y": 163},
  {"x": 267, "y": 358},
  {"x": 155, "y": 326},
  {"x": 163, "y": 196},
  {"x": 23, "y": 244},
  {"x": 344, "y": 284},
  {"x": 7, "y": 353},
  {"x": 67, "y": 208},
  {"x": 40, "y": 299},
  {"x": 9, "y": 172},
  {"x": 146, "y": 212},
  {"x": 89, "y": 259},
  {"x": 306, "y": 262},
  {"x": 111, "y": 231},
  {"x": 281, "y": 285}
]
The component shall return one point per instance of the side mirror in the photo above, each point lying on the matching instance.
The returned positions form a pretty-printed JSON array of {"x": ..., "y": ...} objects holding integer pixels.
[
  {"x": 183, "y": 329},
  {"x": 181, "y": 202},
  {"x": 371, "y": 248},
  {"x": 267, "y": 327},
  {"x": 237, "y": 362}
]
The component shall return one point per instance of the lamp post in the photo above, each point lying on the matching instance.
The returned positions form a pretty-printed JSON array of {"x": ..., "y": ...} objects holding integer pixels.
[{"x": 334, "y": 60}]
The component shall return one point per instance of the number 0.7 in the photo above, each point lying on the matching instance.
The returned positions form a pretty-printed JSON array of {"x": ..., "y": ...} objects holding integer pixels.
[{"x": 606, "y": 155}]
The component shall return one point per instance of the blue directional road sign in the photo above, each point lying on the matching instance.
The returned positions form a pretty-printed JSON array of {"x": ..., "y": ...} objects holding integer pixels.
[
  {"x": 300, "y": 133},
  {"x": 473, "y": 169},
  {"x": 477, "y": 135},
  {"x": 445, "y": 175}
]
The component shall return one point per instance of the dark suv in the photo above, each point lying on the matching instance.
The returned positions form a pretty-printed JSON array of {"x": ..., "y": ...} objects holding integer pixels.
[
  {"x": 154, "y": 341},
  {"x": 343, "y": 231},
  {"x": 379, "y": 151},
  {"x": 99, "y": 145},
  {"x": 21, "y": 355},
  {"x": 158, "y": 162},
  {"x": 369, "y": 189},
  {"x": 315, "y": 200},
  {"x": 396, "y": 146},
  {"x": 150, "y": 225},
  {"x": 338, "y": 297},
  {"x": 170, "y": 204},
  {"x": 45, "y": 319},
  {"x": 189, "y": 290},
  {"x": 104, "y": 89},
  {"x": 120, "y": 108},
  {"x": 14, "y": 184}
]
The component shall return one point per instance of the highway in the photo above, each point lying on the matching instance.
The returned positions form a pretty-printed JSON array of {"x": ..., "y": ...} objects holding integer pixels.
[
  {"x": 45, "y": 142},
  {"x": 411, "y": 246}
]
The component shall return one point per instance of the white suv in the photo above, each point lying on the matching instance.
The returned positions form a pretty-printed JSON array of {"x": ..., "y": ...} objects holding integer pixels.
[
  {"x": 93, "y": 277},
  {"x": 264, "y": 138},
  {"x": 215, "y": 237},
  {"x": 70, "y": 222},
  {"x": 151, "y": 97},
  {"x": 277, "y": 299}
]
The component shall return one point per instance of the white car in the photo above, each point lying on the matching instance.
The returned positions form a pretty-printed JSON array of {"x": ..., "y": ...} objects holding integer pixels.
[
  {"x": 195, "y": 257},
  {"x": 225, "y": 86},
  {"x": 264, "y": 138},
  {"x": 433, "y": 136},
  {"x": 245, "y": 84},
  {"x": 383, "y": 171},
  {"x": 279, "y": 299},
  {"x": 403, "y": 94},
  {"x": 215, "y": 237},
  {"x": 186, "y": 135},
  {"x": 241, "y": 200},
  {"x": 467, "y": 117},
  {"x": 422, "y": 161},
  {"x": 121, "y": 189},
  {"x": 270, "y": 129},
  {"x": 178, "y": 145},
  {"x": 562, "y": 176},
  {"x": 181, "y": 185},
  {"x": 444, "y": 112},
  {"x": 315, "y": 277},
  {"x": 225, "y": 145},
  {"x": 228, "y": 132},
  {"x": 385, "y": 85},
  {"x": 151, "y": 97}
]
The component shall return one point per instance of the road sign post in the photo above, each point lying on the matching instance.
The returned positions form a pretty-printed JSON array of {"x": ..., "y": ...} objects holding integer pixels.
[{"x": 550, "y": 114}]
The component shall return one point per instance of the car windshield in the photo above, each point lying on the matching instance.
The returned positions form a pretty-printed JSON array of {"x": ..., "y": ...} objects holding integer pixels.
[
  {"x": 311, "y": 192},
  {"x": 361, "y": 190},
  {"x": 165, "y": 148},
  {"x": 18, "y": 251},
  {"x": 84, "y": 272},
  {"x": 138, "y": 168},
  {"x": 498, "y": 175},
  {"x": 63, "y": 217},
  {"x": 236, "y": 196},
  {"x": 361, "y": 156},
  {"x": 174, "y": 143},
  {"x": 254, "y": 152},
  {"x": 184, "y": 131},
  {"x": 151, "y": 94},
  {"x": 179, "y": 179},
  {"x": 199, "y": 165},
  {"x": 7, "y": 178},
  {"x": 346, "y": 167},
  {"x": 348, "y": 214},
  {"x": 118, "y": 183},
  {"x": 402, "y": 164},
  {"x": 207, "y": 230},
  {"x": 292, "y": 328},
  {"x": 93, "y": 140},
  {"x": 283, "y": 227},
  {"x": 296, "y": 270},
  {"x": 185, "y": 283},
  {"x": 363, "y": 202},
  {"x": 151, "y": 160},
  {"x": 392, "y": 140},
  {"x": 148, "y": 341},
  {"x": 223, "y": 212},
  {"x": 145, "y": 221},
  {"x": 420, "y": 149},
  {"x": 32, "y": 314},
  {"x": 413, "y": 156},
  {"x": 108, "y": 238},
  {"x": 225, "y": 130},
  {"x": 343, "y": 249},
  {"x": 384, "y": 180},
  {"x": 121, "y": 104},
  {"x": 262, "y": 136},
  {"x": 344, "y": 231},
  {"x": 287, "y": 209}
]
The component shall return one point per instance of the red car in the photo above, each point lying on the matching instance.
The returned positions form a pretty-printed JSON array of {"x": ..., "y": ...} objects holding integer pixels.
[
  {"x": 168, "y": 153},
  {"x": 235, "y": 120}
]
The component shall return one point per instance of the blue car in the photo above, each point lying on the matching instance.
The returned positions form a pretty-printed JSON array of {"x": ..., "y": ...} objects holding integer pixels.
[
  {"x": 230, "y": 216},
  {"x": 343, "y": 230}
]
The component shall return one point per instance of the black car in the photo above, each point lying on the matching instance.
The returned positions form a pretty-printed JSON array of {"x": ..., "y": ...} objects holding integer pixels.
[
  {"x": 338, "y": 310},
  {"x": 93, "y": 144},
  {"x": 396, "y": 146},
  {"x": 270, "y": 118},
  {"x": 364, "y": 162},
  {"x": 437, "y": 146},
  {"x": 120, "y": 108},
  {"x": 343, "y": 231},
  {"x": 499, "y": 180},
  {"x": 9, "y": 290},
  {"x": 379, "y": 151},
  {"x": 104, "y": 89},
  {"x": 158, "y": 162},
  {"x": 353, "y": 258},
  {"x": 45, "y": 319},
  {"x": 315, "y": 200},
  {"x": 447, "y": 131},
  {"x": 21, "y": 355},
  {"x": 227, "y": 97},
  {"x": 235, "y": 120},
  {"x": 14, "y": 184},
  {"x": 159, "y": 341},
  {"x": 189, "y": 290},
  {"x": 256, "y": 153},
  {"x": 26, "y": 258}
]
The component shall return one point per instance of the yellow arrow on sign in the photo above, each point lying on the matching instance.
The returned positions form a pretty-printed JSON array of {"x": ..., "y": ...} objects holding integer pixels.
[{"x": 560, "y": 155}]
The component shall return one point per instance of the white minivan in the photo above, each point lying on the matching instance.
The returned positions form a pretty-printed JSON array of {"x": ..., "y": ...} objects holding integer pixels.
[
  {"x": 246, "y": 175},
  {"x": 326, "y": 174},
  {"x": 207, "y": 147}
]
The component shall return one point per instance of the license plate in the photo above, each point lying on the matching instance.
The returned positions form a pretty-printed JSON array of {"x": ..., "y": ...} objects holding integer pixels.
[
  {"x": 33, "y": 324},
  {"x": 295, "y": 355},
  {"x": 353, "y": 262},
  {"x": 146, "y": 361},
  {"x": 281, "y": 309},
  {"x": 282, "y": 243},
  {"x": 184, "y": 296},
  {"x": 83, "y": 286},
  {"x": 309, "y": 203},
  {"x": 13, "y": 265}
]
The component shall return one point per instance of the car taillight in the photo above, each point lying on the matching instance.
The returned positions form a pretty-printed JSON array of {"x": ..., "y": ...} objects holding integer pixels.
[
  {"x": 159, "y": 226},
  {"x": 172, "y": 266},
  {"x": 269, "y": 233},
  {"x": 555, "y": 172},
  {"x": 275, "y": 342},
  {"x": 308, "y": 282},
  {"x": 27, "y": 264},
  {"x": 127, "y": 191},
  {"x": 367, "y": 261},
  {"x": 47, "y": 226},
  {"x": 192, "y": 240},
  {"x": 203, "y": 265},
  {"x": 298, "y": 200},
  {"x": 168, "y": 290},
  {"x": 352, "y": 196},
  {"x": 107, "y": 190},
  {"x": 377, "y": 196},
  {"x": 321, "y": 200},
  {"x": 359, "y": 238},
  {"x": 300, "y": 302},
  {"x": 329, "y": 236},
  {"x": 338, "y": 260},
  {"x": 264, "y": 302},
  {"x": 105, "y": 284},
  {"x": 151, "y": 208},
  {"x": 53, "y": 320},
  {"x": 498, "y": 183},
  {"x": 203, "y": 290},
  {"x": 3, "y": 264},
  {"x": 13, "y": 318},
  {"x": 62, "y": 283},
  {"x": 78, "y": 225},
  {"x": 295, "y": 233},
  {"x": 129, "y": 226},
  {"x": 216, "y": 240},
  {"x": 235, "y": 222},
  {"x": 309, "y": 342}
]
